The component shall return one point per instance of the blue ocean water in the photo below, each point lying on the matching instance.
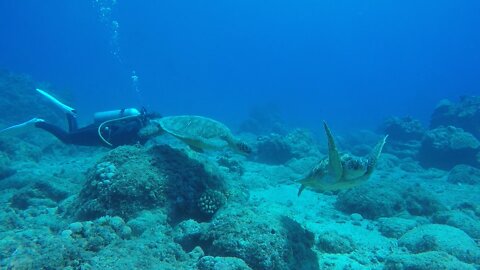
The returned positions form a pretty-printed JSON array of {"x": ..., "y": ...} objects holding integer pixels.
[
  {"x": 184, "y": 193},
  {"x": 350, "y": 62}
]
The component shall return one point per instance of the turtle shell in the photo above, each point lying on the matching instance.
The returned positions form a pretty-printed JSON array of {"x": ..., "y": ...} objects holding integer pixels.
[{"x": 197, "y": 131}]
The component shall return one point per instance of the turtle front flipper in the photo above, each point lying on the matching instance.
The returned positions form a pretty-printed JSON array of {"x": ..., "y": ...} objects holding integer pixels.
[
  {"x": 335, "y": 163},
  {"x": 374, "y": 155}
]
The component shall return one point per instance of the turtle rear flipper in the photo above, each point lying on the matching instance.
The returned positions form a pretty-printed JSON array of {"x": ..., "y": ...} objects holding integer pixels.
[
  {"x": 374, "y": 155},
  {"x": 335, "y": 163}
]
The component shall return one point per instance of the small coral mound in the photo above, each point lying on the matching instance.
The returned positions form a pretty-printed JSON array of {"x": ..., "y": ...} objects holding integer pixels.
[
  {"x": 130, "y": 179},
  {"x": 210, "y": 201},
  {"x": 122, "y": 183}
]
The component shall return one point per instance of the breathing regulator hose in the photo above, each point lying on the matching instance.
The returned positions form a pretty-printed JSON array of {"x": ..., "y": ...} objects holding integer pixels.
[{"x": 99, "y": 130}]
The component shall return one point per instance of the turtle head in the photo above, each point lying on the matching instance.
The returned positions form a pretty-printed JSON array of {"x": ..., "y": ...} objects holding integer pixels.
[
  {"x": 243, "y": 148},
  {"x": 354, "y": 167}
]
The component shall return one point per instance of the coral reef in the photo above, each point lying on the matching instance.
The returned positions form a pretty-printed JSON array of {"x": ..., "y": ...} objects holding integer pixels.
[
  {"x": 445, "y": 147},
  {"x": 122, "y": 183},
  {"x": 130, "y": 179}
]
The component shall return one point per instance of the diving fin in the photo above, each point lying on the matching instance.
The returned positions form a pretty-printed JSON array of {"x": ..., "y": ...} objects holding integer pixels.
[
  {"x": 63, "y": 107},
  {"x": 20, "y": 128}
]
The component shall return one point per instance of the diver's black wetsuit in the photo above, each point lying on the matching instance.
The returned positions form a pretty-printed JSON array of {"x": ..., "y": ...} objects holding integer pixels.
[{"x": 116, "y": 133}]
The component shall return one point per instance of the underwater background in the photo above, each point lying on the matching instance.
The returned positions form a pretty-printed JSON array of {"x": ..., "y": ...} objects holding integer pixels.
[
  {"x": 312, "y": 60},
  {"x": 242, "y": 172}
]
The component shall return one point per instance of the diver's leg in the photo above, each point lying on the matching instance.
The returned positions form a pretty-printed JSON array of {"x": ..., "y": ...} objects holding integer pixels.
[
  {"x": 72, "y": 122},
  {"x": 61, "y": 134}
]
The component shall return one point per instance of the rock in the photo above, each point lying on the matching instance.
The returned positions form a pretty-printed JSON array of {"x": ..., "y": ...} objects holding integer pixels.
[
  {"x": 221, "y": 263},
  {"x": 188, "y": 233},
  {"x": 76, "y": 227},
  {"x": 436, "y": 237},
  {"x": 333, "y": 242},
  {"x": 431, "y": 260},
  {"x": 421, "y": 202},
  {"x": 273, "y": 149},
  {"x": 459, "y": 219},
  {"x": 395, "y": 227},
  {"x": 372, "y": 201},
  {"x": 465, "y": 114},
  {"x": 445, "y": 147},
  {"x": 145, "y": 219},
  {"x": 464, "y": 174}
]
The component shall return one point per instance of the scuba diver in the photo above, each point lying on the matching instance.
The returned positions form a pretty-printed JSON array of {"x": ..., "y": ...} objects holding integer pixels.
[{"x": 110, "y": 128}]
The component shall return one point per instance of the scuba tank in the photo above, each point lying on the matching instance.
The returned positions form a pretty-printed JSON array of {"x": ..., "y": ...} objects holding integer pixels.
[{"x": 100, "y": 117}]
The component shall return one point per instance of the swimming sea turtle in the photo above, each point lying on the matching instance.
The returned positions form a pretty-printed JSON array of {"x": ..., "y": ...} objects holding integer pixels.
[
  {"x": 201, "y": 133},
  {"x": 337, "y": 172}
]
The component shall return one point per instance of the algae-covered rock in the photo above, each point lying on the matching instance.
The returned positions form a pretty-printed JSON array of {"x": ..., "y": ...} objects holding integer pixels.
[
  {"x": 464, "y": 174},
  {"x": 262, "y": 240},
  {"x": 436, "y": 237},
  {"x": 445, "y": 147},
  {"x": 221, "y": 263},
  {"x": 468, "y": 223},
  {"x": 372, "y": 201},
  {"x": 395, "y": 227},
  {"x": 333, "y": 242},
  {"x": 421, "y": 202},
  {"x": 432, "y": 260},
  {"x": 6, "y": 169}
]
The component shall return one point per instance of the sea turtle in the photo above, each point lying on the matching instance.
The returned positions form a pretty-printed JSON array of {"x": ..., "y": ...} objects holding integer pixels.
[
  {"x": 201, "y": 133},
  {"x": 337, "y": 172}
]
